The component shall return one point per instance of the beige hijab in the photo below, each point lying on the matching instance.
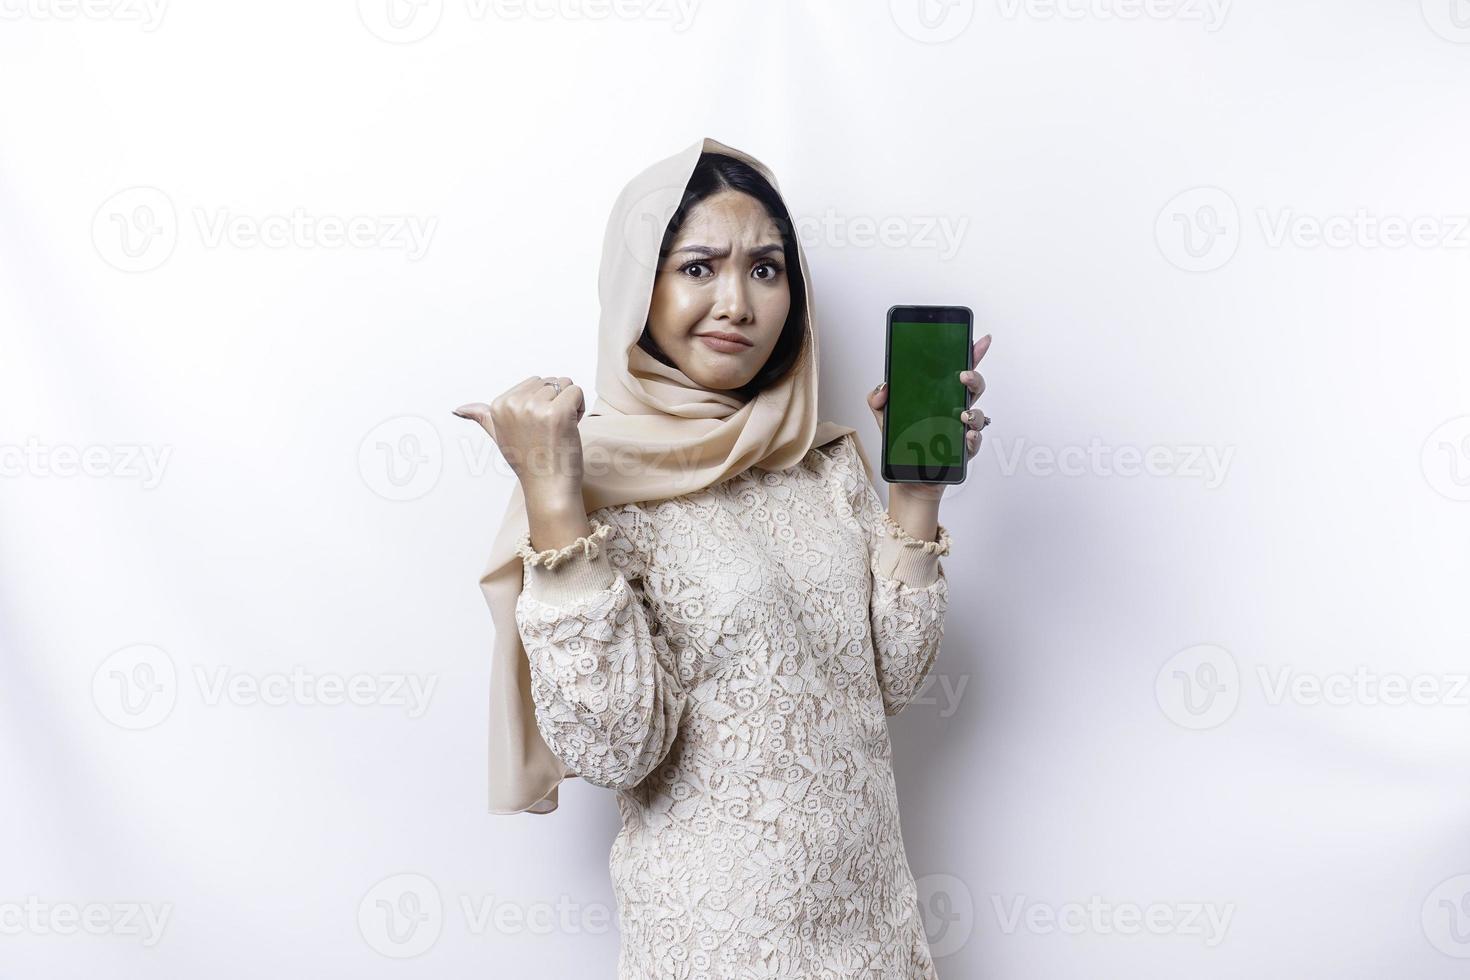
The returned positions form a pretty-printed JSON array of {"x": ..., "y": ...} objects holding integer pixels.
[{"x": 652, "y": 434}]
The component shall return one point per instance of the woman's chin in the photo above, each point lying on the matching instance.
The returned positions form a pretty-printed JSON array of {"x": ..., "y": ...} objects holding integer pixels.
[
  {"x": 720, "y": 384},
  {"x": 719, "y": 378}
]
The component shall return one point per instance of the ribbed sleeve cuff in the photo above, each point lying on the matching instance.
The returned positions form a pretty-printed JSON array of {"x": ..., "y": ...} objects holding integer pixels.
[
  {"x": 577, "y": 578},
  {"x": 911, "y": 566},
  {"x": 904, "y": 557},
  {"x": 563, "y": 576}
]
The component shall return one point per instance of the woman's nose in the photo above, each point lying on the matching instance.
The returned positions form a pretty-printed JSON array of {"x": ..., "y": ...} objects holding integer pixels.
[{"x": 732, "y": 303}]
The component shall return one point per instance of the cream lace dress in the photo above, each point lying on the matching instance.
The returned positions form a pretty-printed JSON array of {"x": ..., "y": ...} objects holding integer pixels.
[{"x": 725, "y": 661}]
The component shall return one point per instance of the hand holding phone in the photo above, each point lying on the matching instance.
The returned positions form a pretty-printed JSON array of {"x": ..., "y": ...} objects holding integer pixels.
[{"x": 926, "y": 437}]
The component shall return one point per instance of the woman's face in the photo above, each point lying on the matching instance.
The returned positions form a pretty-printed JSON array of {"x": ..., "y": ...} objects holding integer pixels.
[{"x": 725, "y": 274}]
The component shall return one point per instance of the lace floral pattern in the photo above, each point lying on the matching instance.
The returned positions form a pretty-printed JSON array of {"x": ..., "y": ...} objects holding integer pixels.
[{"x": 731, "y": 684}]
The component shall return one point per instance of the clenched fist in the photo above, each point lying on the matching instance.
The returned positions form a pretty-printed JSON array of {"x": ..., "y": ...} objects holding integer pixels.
[{"x": 534, "y": 424}]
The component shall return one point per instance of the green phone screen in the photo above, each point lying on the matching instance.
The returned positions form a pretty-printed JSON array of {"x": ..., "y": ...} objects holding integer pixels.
[{"x": 925, "y": 394}]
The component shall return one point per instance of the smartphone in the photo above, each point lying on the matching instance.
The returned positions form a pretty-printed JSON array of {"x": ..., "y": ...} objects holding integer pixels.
[{"x": 923, "y": 436}]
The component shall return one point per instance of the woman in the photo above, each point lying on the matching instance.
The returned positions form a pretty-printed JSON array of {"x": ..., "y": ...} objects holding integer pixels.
[{"x": 702, "y": 605}]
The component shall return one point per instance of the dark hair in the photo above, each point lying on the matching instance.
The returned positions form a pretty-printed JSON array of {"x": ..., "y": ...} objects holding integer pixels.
[{"x": 716, "y": 172}]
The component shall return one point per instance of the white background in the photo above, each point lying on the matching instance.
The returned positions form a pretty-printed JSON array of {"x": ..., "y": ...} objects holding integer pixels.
[{"x": 1131, "y": 194}]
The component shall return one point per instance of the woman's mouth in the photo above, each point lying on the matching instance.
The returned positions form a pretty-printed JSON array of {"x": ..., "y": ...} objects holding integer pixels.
[{"x": 727, "y": 343}]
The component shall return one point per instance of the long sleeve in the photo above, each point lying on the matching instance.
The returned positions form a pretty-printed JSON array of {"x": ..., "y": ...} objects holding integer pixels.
[
  {"x": 605, "y": 702},
  {"x": 910, "y": 593}
]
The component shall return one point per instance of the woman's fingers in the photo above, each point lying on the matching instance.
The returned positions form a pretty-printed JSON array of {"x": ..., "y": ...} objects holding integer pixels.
[
  {"x": 474, "y": 411},
  {"x": 549, "y": 391},
  {"x": 535, "y": 387},
  {"x": 477, "y": 412},
  {"x": 877, "y": 398},
  {"x": 972, "y": 378},
  {"x": 572, "y": 393}
]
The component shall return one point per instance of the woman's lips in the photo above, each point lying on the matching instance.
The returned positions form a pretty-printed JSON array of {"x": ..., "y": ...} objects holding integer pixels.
[{"x": 722, "y": 345}]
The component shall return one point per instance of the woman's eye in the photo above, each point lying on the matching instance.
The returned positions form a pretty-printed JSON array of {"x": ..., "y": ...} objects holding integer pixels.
[{"x": 689, "y": 267}]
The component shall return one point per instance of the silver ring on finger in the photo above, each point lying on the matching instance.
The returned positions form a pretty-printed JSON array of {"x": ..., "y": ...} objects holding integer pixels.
[{"x": 554, "y": 384}]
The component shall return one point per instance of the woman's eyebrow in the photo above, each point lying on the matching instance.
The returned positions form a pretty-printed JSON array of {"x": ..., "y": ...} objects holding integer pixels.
[{"x": 720, "y": 253}]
